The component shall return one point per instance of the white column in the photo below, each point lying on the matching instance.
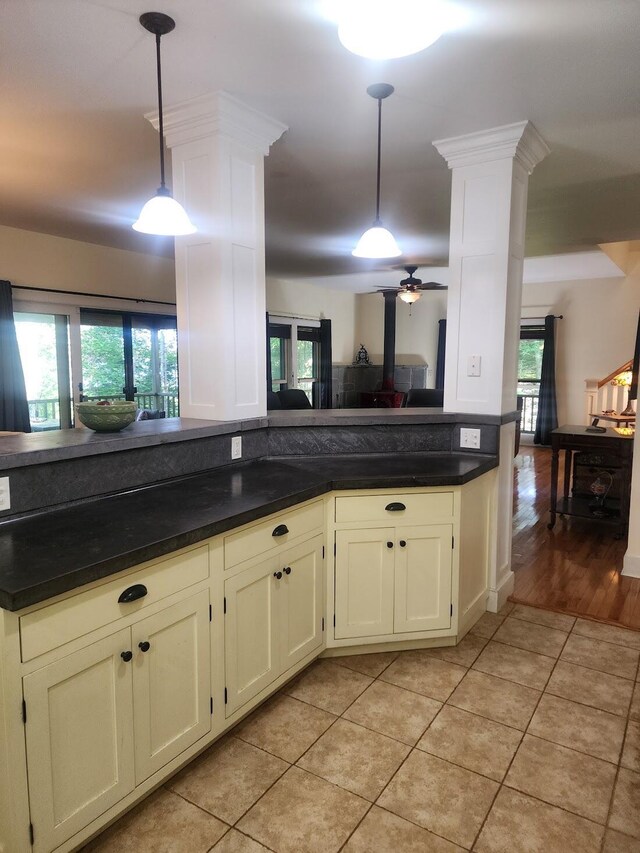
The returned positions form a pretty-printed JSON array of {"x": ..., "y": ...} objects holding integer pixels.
[
  {"x": 218, "y": 145},
  {"x": 490, "y": 176}
]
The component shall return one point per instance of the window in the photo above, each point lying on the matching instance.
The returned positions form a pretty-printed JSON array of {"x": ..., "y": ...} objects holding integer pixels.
[
  {"x": 529, "y": 372},
  {"x": 294, "y": 352}
]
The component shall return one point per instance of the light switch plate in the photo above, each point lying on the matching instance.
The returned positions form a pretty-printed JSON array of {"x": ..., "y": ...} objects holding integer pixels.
[
  {"x": 236, "y": 447},
  {"x": 5, "y": 494},
  {"x": 470, "y": 438}
]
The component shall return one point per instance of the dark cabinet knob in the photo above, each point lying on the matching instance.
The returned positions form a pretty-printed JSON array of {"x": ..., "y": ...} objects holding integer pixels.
[
  {"x": 132, "y": 593},
  {"x": 277, "y": 575},
  {"x": 402, "y": 543},
  {"x": 287, "y": 570},
  {"x": 126, "y": 656},
  {"x": 280, "y": 530},
  {"x": 144, "y": 646},
  {"x": 396, "y": 506},
  {"x": 389, "y": 544}
]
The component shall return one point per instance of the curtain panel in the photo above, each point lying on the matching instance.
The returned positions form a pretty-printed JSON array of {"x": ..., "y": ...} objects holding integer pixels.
[
  {"x": 547, "y": 419},
  {"x": 14, "y": 409}
]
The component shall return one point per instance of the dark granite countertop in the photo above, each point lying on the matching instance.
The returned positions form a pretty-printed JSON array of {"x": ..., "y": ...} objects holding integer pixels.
[{"x": 53, "y": 552}]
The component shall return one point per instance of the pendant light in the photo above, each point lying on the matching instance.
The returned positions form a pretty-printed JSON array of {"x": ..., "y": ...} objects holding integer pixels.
[
  {"x": 377, "y": 241},
  {"x": 162, "y": 214}
]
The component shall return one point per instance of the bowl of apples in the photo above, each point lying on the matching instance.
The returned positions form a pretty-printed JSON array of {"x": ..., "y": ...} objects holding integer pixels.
[{"x": 107, "y": 416}]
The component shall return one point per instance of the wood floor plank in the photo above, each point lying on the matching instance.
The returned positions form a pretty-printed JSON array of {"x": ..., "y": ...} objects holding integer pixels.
[{"x": 574, "y": 568}]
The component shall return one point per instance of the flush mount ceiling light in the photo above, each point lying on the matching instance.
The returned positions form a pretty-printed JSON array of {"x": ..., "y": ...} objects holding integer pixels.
[
  {"x": 162, "y": 214},
  {"x": 388, "y": 29},
  {"x": 377, "y": 241}
]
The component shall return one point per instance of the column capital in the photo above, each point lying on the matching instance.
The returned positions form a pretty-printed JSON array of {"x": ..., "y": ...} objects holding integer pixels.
[
  {"x": 519, "y": 141},
  {"x": 218, "y": 114}
]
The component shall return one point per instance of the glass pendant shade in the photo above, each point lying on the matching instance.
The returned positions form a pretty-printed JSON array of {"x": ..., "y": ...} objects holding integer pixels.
[
  {"x": 409, "y": 296},
  {"x": 377, "y": 242},
  {"x": 164, "y": 216},
  {"x": 381, "y": 29}
]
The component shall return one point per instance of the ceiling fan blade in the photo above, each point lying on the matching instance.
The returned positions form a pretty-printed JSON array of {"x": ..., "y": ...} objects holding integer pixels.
[{"x": 431, "y": 285}]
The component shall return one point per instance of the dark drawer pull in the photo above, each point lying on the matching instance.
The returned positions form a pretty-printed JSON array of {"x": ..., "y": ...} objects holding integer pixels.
[
  {"x": 144, "y": 646},
  {"x": 277, "y": 575},
  {"x": 280, "y": 530},
  {"x": 132, "y": 593},
  {"x": 126, "y": 656},
  {"x": 287, "y": 570},
  {"x": 389, "y": 544},
  {"x": 403, "y": 543},
  {"x": 395, "y": 507}
]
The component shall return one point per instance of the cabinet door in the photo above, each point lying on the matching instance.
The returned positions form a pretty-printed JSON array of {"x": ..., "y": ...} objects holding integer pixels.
[
  {"x": 171, "y": 682},
  {"x": 299, "y": 602},
  {"x": 251, "y": 652},
  {"x": 79, "y": 736},
  {"x": 364, "y": 582},
  {"x": 423, "y": 578}
]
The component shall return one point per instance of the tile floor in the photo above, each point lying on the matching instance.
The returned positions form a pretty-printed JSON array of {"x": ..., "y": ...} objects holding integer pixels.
[{"x": 524, "y": 738}]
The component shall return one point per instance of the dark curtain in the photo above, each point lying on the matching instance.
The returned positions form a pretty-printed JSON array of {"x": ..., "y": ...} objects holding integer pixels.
[
  {"x": 547, "y": 409},
  {"x": 269, "y": 376},
  {"x": 14, "y": 409},
  {"x": 325, "y": 392},
  {"x": 442, "y": 341},
  {"x": 633, "y": 389}
]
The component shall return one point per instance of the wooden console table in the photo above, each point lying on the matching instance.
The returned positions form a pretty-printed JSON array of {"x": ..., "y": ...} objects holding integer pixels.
[{"x": 587, "y": 456}]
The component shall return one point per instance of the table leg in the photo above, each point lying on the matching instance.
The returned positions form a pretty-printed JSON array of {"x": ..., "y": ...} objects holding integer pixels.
[
  {"x": 555, "y": 453},
  {"x": 568, "y": 464}
]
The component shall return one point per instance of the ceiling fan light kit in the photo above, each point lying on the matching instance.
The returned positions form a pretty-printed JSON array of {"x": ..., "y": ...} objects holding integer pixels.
[
  {"x": 162, "y": 215},
  {"x": 378, "y": 241},
  {"x": 389, "y": 29}
]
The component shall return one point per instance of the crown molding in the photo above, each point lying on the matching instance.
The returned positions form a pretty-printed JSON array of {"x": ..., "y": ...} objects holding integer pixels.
[{"x": 519, "y": 141}]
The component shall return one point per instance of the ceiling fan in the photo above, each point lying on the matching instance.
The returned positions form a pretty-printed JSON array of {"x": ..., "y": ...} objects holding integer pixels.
[{"x": 409, "y": 289}]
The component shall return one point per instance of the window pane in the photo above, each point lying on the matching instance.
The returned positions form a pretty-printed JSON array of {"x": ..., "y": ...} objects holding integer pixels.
[
  {"x": 36, "y": 335},
  {"x": 276, "y": 347},
  {"x": 530, "y": 360},
  {"x": 305, "y": 385},
  {"x": 306, "y": 361},
  {"x": 102, "y": 360}
]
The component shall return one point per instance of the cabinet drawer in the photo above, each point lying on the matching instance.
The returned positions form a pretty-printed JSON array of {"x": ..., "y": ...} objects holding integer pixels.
[
  {"x": 59, "y": 623},
  {"x": 263, "y": 539},
  {"x": 387, "y": 509}
]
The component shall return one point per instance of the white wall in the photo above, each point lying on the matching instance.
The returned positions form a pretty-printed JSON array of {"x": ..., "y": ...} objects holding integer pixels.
[
  {"x": 596, "y": 336},
  {"x": 300, "y": 299},
  {"x": 42, "y": 260},
  {"x": 416, "y": 330}
]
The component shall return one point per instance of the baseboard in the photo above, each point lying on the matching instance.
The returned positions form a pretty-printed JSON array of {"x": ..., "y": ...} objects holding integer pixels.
[
  {"x": 496, "y": 598},
  {"x": 631, "y": 566}
]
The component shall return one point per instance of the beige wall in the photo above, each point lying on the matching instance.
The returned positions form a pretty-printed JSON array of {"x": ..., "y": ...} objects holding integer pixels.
[
  {"x": 41, "y": 260},
  {"x": 596, "y": 336},
  {"x": 299, "y": 299},
  {"x": 416, "y": 330}
]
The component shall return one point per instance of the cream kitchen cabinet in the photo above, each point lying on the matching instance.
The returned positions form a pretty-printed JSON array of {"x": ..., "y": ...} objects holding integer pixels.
[
  {"x": 101, "y": 720},
  {"x": 273, "y": 619}
]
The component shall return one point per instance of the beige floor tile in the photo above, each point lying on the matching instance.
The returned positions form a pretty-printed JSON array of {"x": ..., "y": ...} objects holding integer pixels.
[
  {"x": 519, "y": 665},
  {"x": 473, "y": 742},
  {"x": 625, "y": 813},
  {"x": 328, "y": 686},
  {"x": 384, "y": 832},
  {"x": 580, "y": 727},
  {"x": 563, "y": 777},
  {"x": 393, "y": 711},
  {"x": 532, "y": 637},
  {"x": 439, "y": 796},
  {"x": 285, "y": 727},
  {"x": 597, "y": 689},
  {"x": 163, "y": 823},
  {"x": 355, "y": 758},
  {"x": 421, "y": 673},
  {"x": 631, "y": 752},
  {"x": 608, "y": 633},
  {"x": 304, "y": 814},
  {"x": 487, "y": 625},
  {"x": 236, "y": 842},
  {"x": 499, "y": 700},
  {"x": 605, "y": 657},
  {"x": 521, "y": 824},
  {"x": 506, "y": 608},
  {"x": 464, "y": 653},
  {"x": 227, "y": 779},
  {"x": 371, "y": 665},
  {"x": 616, "y": 842},
  {"x": 634, "y": 711},
  {"x": 543, "y": 617}
]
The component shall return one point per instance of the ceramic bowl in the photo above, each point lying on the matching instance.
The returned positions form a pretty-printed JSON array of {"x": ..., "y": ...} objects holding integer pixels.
[{"x": 111, "y": 418}]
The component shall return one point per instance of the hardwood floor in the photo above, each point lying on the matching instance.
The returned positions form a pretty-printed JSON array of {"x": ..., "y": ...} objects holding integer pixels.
[{"x": 574, "y": 568}]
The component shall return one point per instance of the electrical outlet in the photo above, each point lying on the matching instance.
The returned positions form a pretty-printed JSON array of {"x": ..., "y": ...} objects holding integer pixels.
[
  {"x": 5, "y": 494},
  {"x": 470, "y": 438},
  {"x": 474, "y": 363},
  {"x": 236, "y": 447}
]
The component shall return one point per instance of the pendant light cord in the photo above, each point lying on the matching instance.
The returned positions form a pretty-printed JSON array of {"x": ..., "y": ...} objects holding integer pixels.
[
  {"x": 160, "y": 118},
  {"x": 377, "y": 221}
]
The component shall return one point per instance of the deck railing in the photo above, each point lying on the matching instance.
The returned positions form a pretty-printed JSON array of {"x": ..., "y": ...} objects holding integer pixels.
[{"x": 44, "y": 414}]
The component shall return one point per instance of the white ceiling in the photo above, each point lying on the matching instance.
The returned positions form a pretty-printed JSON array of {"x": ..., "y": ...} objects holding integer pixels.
[{"x": 78, "y": 159}]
